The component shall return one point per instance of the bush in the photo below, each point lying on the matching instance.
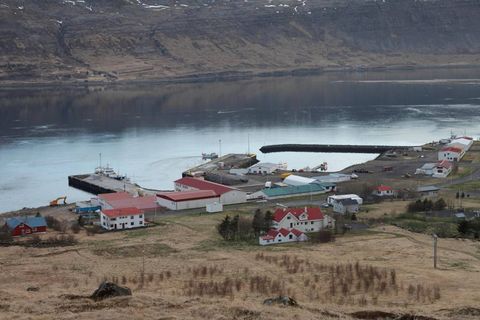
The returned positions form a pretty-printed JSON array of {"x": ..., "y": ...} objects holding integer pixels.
[
  {"x": 324, "y": 236},
  {"x": 6, "y": 237},
  {"x": 75, "y": 228}
]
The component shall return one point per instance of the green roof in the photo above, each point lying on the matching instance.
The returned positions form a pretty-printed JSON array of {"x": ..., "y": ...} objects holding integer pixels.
[{"x": 291, "y": 190}]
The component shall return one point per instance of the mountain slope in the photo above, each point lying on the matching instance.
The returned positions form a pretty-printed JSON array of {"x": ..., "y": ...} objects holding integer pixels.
[{"x": 110, "y": 40}]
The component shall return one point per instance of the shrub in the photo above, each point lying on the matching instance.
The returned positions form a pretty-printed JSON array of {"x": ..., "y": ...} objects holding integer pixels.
[{"x": 324, "y": 236}]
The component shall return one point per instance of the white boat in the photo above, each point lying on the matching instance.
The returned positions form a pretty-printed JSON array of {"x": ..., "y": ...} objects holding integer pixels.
[{"x": 109, "y": 172}]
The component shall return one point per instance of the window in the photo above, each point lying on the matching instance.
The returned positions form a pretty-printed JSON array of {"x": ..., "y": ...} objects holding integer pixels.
[
  {"x": 140, "y": 216},
  {"x": 312, "y": 222},
  {"x": 113, "y": 219},
  {"x": 288, "y": 217},
  {"x": 131, "y": 223},
  {"x": 290, "y": 236},
  {"x": 141, "y": 222},
  {"x": 131, "y": 217}
]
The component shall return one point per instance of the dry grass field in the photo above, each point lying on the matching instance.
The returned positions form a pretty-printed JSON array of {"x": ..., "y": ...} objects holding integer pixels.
[{"x": 190, "y": 273}]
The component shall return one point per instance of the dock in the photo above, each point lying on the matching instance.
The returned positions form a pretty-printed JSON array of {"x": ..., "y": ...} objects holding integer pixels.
[
  {"x": 331, "y": 148},
  {"x": 228, "y": 161},
  {"x": 96, "y": 183}
]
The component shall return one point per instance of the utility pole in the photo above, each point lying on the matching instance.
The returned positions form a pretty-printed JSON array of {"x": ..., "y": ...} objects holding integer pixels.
[
  {"x": 435, "y": 238},
  {"x": 219, "y": 147}
]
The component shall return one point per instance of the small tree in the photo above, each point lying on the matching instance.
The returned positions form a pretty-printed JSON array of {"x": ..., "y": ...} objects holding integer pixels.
[
  {"x": 268, "y": 221},
  {"x": 233, "y": 228},
  {"x": 463, "y": 227},
  {"x": 324, "y": 236},
  {"x": 224, "y": 228},
  {"x": 258, "y": 222},
  {"x": 440, "y": 204}
]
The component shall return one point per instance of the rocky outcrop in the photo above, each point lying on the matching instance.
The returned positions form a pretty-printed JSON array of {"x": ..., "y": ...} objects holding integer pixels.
[{"x": 111, "y": 40}]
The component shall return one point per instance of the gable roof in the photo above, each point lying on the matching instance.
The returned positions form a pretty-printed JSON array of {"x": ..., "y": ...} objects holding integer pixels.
[
  {"x": 142, "y": 203},
  {"x": 445, "y": 164},
  {"x": 273, "y": 233},
  {"x": 452, "y": 149},
  {"x": 383, "y": 188},
  {"x": 200, "y": 184},
  {"x": 114, "y": 213},
  {"x": 291, "y": 190},
  {"x": 32, "y": 222},
  {"x": 115, "y": 196},
  {"x": 313, "y": 213},
  {"x": 427, "y": 189},
  {"x": 187, "y": 195}
]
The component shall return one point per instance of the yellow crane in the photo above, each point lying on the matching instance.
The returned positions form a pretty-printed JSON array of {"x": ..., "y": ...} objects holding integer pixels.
[{"x": 55, "y": 203}]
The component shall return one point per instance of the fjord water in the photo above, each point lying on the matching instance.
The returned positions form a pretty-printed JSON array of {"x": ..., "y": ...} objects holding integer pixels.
[{"x": 154, "y": 132}]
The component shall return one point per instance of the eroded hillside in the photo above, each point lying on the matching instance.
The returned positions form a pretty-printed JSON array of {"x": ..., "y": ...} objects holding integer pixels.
[{"x": 110, "y": 40}]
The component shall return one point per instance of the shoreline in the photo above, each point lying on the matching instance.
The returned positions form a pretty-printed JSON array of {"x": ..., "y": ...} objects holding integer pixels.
[{"x": 226, "y": 76}]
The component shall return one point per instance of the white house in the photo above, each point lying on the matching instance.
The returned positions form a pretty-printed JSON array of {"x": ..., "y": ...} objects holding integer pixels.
[
  {"x": 266, "y": 168},
  {"x": 443, "y": 169},
  {"x": 183, "y": 200},
  {"x": 346, "y": 206},
  {"x": 427, "y": 169},
  {"x": 451, "y": 153},
  {"x": 282, "y": 236},
  {"x": 227, "y": 194},
  {"x": 120, "y": 219},
  {"x": 332, "y": 199},
  {"x": 303, "y": 219},
  {"x": 383, "y": 191}
]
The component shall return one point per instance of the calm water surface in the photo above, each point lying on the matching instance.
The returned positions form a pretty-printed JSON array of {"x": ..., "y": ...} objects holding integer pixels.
[{"x": 152, "y": 133}]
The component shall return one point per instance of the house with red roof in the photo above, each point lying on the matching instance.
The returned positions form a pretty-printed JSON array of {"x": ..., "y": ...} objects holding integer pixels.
[
  {"x": 121, "y": 219},
  {"x": 227, "y": 195},
  {"x": 282, "y": 235},
  {"x": 304, "y": 219},
  {"x": 383, "y": 191},
  {"x": 442, "y": 169},
  {"x": 182, "y": 200},
  {"x": 118, "y": 200},
  {"x": 451, "y": 153}
]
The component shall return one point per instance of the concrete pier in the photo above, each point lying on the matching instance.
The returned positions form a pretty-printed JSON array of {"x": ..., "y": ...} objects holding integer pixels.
[
  {"x": 96, "y": 184},
  {"x": 329, "y": 148}
]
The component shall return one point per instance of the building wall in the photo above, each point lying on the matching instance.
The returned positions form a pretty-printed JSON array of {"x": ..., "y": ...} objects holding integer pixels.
[
  {"x": 449, "y": 156},
  {"x": 122, "y": 223},
  {"x": 183, "y": 205},
  {"x": 304, "y": 226},
  {"x": 281, "y": 239},
  {"x": 21, "y": 229},
  {"x": 232, "y": 197}
]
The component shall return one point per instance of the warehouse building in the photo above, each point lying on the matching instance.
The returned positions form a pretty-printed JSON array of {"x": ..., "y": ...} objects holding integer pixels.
[
  {"x": 228, "y": 195},
  {"x": 182, "y": 200}
]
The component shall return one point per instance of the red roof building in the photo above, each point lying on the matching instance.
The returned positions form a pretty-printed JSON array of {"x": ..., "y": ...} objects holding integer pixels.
[
  {"x": 282, "y": 235},
  {"x": 304, "y": 219},
  {"x": 119, "y": 200},
  {"x": 201, "y": 184},
  {"x": 312, "y": 213},
  {"x": 122, "y": 218},
  {"x": 382, "y": 191},
  {"x": 115, "y": 213},
  {"x": 227, "y": 194},
  {"x": 188, "y": 195},
  {"x": 452, "y": 149}
]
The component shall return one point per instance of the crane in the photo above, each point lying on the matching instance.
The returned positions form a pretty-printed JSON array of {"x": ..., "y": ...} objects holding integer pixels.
[{"x": 55, "y": 203}]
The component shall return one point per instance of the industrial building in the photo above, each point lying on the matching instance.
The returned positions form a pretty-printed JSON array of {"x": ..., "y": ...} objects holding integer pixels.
[
  {"x": 228, "y": 195},
  {"x": 266, "y": 168},
  {"x": 182, "y": 200},
  {"x": 289, "y": 191}
]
